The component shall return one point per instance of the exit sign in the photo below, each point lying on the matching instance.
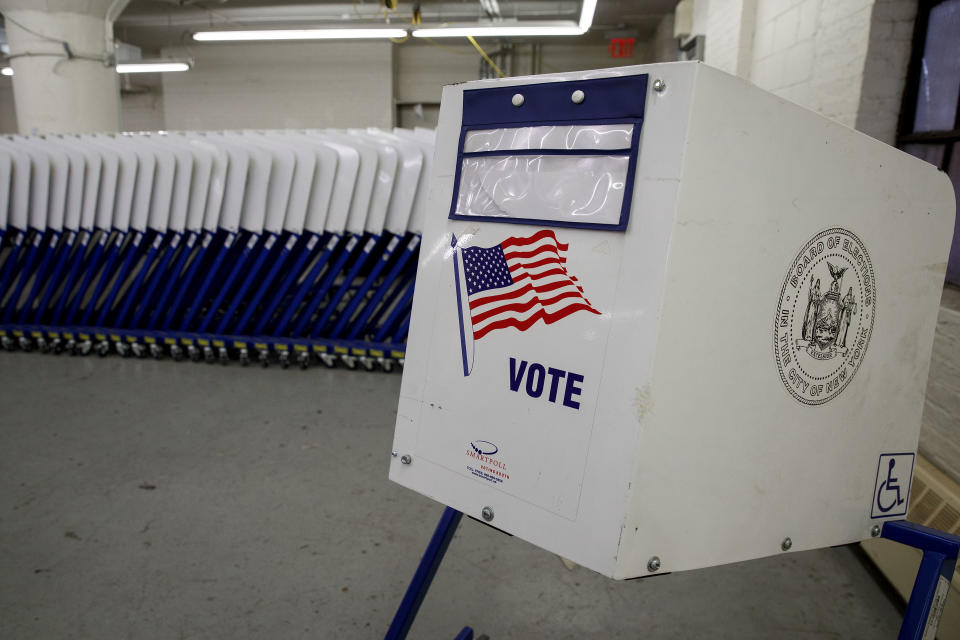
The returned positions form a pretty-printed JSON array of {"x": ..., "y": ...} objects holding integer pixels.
[{"x": 622, "y": 47}]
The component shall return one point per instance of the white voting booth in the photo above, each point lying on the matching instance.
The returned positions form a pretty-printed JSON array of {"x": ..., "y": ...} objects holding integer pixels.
[{"x": 666, "y": 320}]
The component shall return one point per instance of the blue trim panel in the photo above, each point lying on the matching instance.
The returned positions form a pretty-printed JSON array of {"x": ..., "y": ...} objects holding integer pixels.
[{"x": 617, "y": 97}]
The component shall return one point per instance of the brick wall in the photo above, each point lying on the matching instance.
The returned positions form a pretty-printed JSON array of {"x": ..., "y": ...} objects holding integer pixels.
[
  {"x": 846, "y": 59},
  {"x": 729, "y": 27},
  {"x": 885, "y": 72}
]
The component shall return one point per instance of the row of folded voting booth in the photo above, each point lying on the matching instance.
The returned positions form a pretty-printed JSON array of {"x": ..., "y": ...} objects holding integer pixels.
[{"x": 288, "y": 246}]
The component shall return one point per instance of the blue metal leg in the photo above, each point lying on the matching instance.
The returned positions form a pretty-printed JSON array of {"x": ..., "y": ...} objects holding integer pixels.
[
  {"x": 40, "y": 279},
  {"x": 265, "y": 250},
  {"x": 113, "y": 253},
  {"x": 161, "y": 274},
  {"x": 56, "y": 277},
  {"x": 93, "y": 265},
  {"x": 429, "y": 564},
  {"x": 933, "y": 579},
  {"x": 221, "y": 254},
  {"x": 288, "y": 312},
  {"x": 333, "y": 305},
  {"x": 176, "y": 273},
  {"x": 320, "y": 292},
  {"x": 254, "y": 307},
  {"x": 23, "y": 276},
  {"x": 238, "y": 265},
  {"x": 134, "y": 252}
]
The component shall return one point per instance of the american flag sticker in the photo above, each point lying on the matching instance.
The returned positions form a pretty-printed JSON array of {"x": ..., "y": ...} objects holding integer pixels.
[{"x": 513, "y": 285}]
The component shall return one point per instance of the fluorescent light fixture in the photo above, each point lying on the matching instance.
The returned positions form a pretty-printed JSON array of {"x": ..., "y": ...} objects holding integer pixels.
[
  {"x": 135, "y": 67},
  {"x": 516, "y": 29},
  {"x": 152, "y": 67},
  {"x": 586, "y": 15},
  {"x": 297, "y": 34},
  {"x": 512, "y": 31}
]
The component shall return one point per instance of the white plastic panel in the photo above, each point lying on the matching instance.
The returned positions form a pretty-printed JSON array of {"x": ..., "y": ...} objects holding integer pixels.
[
  {"x": 39, "y": 184},
  {"x": 387, "y": 163},
  {"x": 345, "y": 183},
  {"x": 165, "y": 174},
  {"x": 227, "y": 215},
  {"x": 321, "y": 192},
  {"x": 571, "y": 189},
  {"x": 59, "y": 176},
  {"x": 282, "y": 164},
  {"x": 254, "y": 199},
  {"x": 424, "y": 139},
  {"x": 6, "y": 172},
  {"x": 601, "y": 137},
  {"x": 302, "y": 181},
  {"x": 73, "y": 205},
  {"x": 366, "y": 177},
  {"x": 18, "y": 211},
  {"x": 126, "y": 180},
  {"x": 204, "y": 158},
  {"x": 410, "y": 164},
  {"x": 91, "y": 179},
  {"x": 143, "y": 185},
  {"x": 180, "y": 199},
  {"x": 109, "y": 180}
]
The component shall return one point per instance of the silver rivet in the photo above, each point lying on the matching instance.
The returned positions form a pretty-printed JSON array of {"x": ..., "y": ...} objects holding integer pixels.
[
  {"x": 517, "y": 99},
  {"x": 875, "y": 531},
  {"x": 487, "y": 513},
  {"x": 577, "y": 96},
  {"x": 659, "y": 85},
  {"x": 405, "y": 459},
  {"x": 786, "y": 544},
  {"x": 394, "y": 453},
  {"x": 653, "y": 564}
]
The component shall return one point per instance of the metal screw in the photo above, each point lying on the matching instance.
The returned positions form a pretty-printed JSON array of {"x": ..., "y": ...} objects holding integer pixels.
[
  {"x": 406, "y": 459},
  {"x": 653, "y": 564},
  {"x": 394, "y": 453},
  {"x": 786, "y": 544},
  {"x": 875, "y": 531},
  {"x": 517, "y": 100},
  {"x": 659, "y": 85},
  {"x": 577, "y": 96},
  {"x": 487, "y": 514}
]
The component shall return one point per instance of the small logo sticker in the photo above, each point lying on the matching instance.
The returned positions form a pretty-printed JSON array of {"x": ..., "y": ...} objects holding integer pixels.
[
  {"x": 825, "y": 316},
  {"x": 484, "y": 463},
  {"x": 484, "y": 447},
  {"x": 891, "y": 491}
]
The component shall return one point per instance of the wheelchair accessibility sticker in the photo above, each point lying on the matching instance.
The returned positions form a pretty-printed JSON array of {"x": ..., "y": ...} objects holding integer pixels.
[{"x": 891, "y": 493}]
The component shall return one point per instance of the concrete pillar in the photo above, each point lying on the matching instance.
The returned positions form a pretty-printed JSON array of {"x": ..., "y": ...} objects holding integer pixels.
[{"x": 53, "y": 92}]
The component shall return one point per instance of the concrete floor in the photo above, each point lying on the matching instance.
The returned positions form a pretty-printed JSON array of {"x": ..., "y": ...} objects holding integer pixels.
[{"x": 155, "y": 500}]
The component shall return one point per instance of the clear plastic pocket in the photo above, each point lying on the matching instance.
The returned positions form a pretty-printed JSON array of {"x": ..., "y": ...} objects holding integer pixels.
[
  {"x": 596, "y": 137},
  {"x": 570, "y": 189}
]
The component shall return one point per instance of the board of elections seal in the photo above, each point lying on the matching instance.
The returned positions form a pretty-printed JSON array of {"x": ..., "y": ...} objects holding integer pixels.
[{"x": 825, "y": 316}]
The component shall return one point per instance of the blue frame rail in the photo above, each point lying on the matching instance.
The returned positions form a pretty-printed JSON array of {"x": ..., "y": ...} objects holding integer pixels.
[
  {"x": 426, "y": 570},
  {"x": 932, "y": 585},
  {"x": 920, "y": 622}
]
